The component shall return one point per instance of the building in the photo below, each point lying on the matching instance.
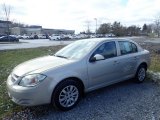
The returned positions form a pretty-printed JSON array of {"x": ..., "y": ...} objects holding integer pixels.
[
  {"x": 4, "y": 25},
  {"x": 36, "y": 30},
  {"x": 16, "y": 31},
  {"x": 31, "y": 30},
  {"x": 57, "y": 31}
]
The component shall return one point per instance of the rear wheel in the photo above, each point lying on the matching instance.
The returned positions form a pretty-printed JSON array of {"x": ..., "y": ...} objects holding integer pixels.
[
  {"x": 141, "y": 73},
  {"x": 66, "y": 95}
]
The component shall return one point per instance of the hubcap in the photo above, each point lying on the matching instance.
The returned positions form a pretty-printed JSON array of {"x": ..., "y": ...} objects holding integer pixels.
[
  {"x": 68, "y": 96},
  {"x": 141, "y": 74}
]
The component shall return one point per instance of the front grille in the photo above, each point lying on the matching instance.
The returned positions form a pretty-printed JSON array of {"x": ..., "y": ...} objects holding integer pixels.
[{"x": 14, "y": 77}]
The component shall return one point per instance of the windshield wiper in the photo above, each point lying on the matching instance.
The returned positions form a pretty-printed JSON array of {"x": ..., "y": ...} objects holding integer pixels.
[{"x": 60, "y": 56}]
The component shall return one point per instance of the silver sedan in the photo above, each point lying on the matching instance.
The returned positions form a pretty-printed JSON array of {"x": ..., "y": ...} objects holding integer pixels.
[{"x": 85, "y": 65}]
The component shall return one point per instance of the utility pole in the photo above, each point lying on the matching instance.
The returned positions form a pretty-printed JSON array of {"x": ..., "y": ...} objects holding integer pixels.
[
  {"x": 96, "y": 26},
  {"x": 88, "y": 26}
]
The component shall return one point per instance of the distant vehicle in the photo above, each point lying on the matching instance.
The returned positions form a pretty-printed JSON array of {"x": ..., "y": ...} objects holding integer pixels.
[
  {"x": 74, "y": 36},
  {"x": 99, "y": 35},
  {"x": 19, "y": 37},
  {"x": 25, "y": 37},
  {"x": 65, "y": 37},
  {"x": 129, "y": 34},
  {"x": 55, "y": 37},
  {"x": 2, "y": 35},
  {"x": 109, "y": 35},
  {"x": 85, "y": 65},
  {"x": 12, "y": 35},
  {"x": 33, "y": 37},
  {"x": 9, "y": 39},
  {"x": 92, "y": 36},
  {"x": 70, "y": 36},
  {"x": 41, "y": 36},
  {"x": 81, "y": 36}
]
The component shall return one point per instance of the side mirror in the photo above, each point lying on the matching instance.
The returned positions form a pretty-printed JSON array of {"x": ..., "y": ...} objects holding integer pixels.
[{"x": 97, "y": 57}]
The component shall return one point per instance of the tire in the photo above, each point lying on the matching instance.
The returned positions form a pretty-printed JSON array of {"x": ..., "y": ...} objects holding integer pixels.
[
  {"x": 66, "y": 95},
  {"x": 141, "y": 74}
]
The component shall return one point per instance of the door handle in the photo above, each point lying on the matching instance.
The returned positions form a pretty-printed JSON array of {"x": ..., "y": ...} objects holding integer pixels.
[
  {"x": 116, "y": 62},
  {"x": 135, "y": 57}
]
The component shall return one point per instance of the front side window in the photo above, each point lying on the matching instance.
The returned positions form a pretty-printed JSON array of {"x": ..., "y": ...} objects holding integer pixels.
[
  {"x": 127, "y": 47},
  {"x": 108, "y": 50}
]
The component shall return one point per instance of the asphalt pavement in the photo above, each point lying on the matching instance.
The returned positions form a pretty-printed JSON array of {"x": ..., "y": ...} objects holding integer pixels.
[{"x": 33, "y": 43}]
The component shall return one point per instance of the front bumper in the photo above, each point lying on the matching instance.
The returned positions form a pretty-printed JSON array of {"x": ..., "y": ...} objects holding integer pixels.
[{"x": 28, "y": 96}]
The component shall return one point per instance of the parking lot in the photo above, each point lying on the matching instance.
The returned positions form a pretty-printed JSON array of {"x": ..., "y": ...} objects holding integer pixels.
[{"x": 32, "y": 43}]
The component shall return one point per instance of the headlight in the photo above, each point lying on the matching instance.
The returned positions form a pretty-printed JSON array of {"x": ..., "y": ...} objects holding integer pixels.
[{"x": 31, "y": 80}]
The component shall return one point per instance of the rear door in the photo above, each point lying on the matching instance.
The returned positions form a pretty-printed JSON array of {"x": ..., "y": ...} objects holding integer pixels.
[{"x": 128, "y": 58}]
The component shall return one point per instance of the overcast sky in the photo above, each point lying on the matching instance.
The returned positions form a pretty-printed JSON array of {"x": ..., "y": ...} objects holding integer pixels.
[{"x": 73, "y": 14}]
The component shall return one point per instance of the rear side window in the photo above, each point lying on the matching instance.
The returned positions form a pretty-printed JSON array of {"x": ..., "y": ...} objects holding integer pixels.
[
  {"x": 108, "y": 50},
  {"x": 127, "y": 47}
]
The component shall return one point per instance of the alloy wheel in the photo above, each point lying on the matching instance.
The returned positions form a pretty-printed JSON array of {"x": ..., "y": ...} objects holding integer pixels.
[
  {"x": 68, "y": 96},
  {"x": 141, "y": 74}
]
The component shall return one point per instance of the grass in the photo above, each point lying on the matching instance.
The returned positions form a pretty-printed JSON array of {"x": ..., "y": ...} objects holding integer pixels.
[
  {"x": 11, "y": 58},
  {"x": 155, "y": 63},
  {"x": 8, "y": 60}
]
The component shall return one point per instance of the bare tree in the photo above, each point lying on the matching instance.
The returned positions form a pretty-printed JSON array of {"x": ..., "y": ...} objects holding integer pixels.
[
  {"x": 6, "y": 10},
  {"x": 157, "y": 26}
]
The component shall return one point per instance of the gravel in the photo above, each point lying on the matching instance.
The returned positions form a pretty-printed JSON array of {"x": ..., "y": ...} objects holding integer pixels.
[
  {"x": 125, "y": 101},
  {"x": 154, "y": 76}
]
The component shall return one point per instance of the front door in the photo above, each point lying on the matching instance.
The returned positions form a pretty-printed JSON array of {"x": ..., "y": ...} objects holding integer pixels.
[{"x": 105, "y": 71}]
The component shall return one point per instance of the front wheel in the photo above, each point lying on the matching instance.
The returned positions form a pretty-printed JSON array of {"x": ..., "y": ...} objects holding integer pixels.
[
  {"x": 66, "y": 95},
  {"x": 141, "y": 74}
]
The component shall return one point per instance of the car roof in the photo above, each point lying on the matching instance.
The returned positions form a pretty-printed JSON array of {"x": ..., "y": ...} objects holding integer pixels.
[{"x": 106, "y": 39}]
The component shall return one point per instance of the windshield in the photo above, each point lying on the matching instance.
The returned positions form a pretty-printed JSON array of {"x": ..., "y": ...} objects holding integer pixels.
[{"x": 76, "y": 50}]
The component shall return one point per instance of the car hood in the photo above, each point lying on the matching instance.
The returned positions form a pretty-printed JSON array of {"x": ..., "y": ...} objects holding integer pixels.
[{"x": 42, "y": 63}]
